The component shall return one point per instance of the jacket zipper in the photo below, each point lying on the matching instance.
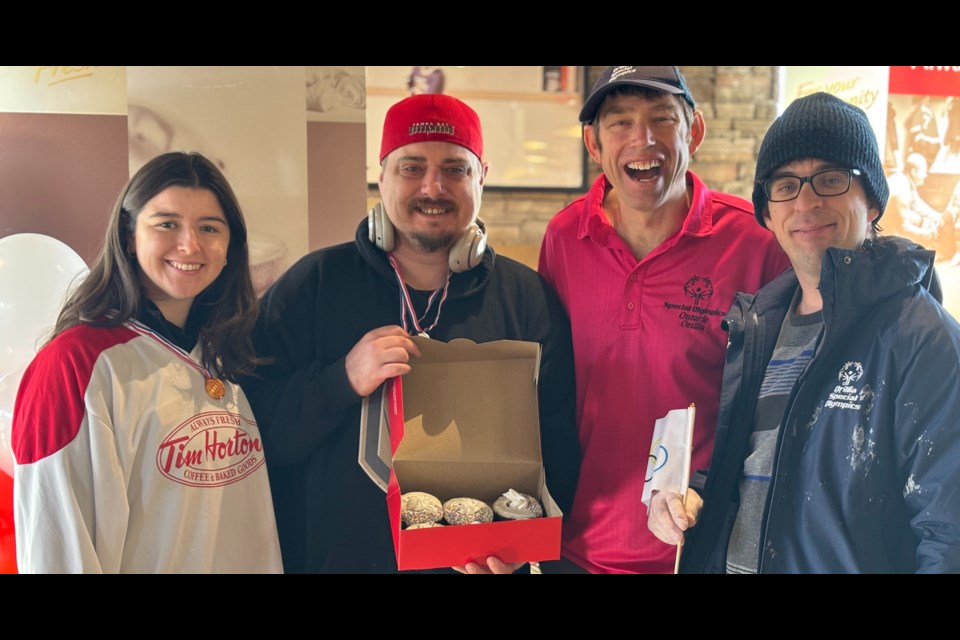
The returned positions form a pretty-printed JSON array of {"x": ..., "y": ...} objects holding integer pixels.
[
  {"x": 784, "y": 423},
  {"x": 753, "y": 333}
]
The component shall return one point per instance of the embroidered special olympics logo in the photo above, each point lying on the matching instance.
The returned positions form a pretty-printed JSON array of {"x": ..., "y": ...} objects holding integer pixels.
[
  {"x": 699, "y": 288},
  {"x": 211, "y": 449},
  {"x": 850, "y": 373}
]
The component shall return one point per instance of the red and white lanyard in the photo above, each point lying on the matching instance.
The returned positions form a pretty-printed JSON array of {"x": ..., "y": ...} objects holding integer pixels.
[
  {"x": 213, "y": 385},
  {"x": 406, "y": 304}
]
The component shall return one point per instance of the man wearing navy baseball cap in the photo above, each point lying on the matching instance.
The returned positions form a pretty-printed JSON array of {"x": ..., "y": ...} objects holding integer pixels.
[
  {"x": 838, "y": 437},
  {"x": 338, "y": 324},
  {"x": 646, "y": 264}
]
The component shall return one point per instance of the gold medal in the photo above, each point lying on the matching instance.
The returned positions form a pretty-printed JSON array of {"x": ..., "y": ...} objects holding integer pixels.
[{"x": 215, "y": 388}]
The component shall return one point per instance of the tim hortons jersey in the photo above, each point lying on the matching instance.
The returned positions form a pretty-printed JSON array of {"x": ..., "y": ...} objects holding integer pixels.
[{"x": 125, "y": 464}]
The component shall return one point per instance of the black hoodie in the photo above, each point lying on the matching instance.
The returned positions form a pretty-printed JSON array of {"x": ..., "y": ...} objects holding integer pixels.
[{"x": 330, "y": 515}]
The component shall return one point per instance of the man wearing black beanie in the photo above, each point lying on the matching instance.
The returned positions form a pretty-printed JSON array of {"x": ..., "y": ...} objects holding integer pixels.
[{"x": 839, "y": 425}]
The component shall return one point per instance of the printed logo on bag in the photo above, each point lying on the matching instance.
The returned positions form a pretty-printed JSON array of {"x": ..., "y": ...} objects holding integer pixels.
[
  {"x": 692, "y": 312},
  {"x": 211, "y": 449},
  {"x": 845, "y": 395}
]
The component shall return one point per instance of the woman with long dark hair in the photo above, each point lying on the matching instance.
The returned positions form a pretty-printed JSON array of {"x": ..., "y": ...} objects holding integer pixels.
[{"x": 136, "y": 451}]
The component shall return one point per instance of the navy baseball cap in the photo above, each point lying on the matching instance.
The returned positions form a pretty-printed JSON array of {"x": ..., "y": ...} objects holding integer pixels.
[{"x": 667, "y": 79}]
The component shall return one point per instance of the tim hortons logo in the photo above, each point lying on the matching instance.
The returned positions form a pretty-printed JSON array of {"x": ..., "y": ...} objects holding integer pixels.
[{"x": 211, "y": 449}]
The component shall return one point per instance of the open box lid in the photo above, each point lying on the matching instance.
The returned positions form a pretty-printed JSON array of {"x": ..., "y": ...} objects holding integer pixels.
[
  {"x": 375, "y": 452},
  {"x": 466, "y": 406}
]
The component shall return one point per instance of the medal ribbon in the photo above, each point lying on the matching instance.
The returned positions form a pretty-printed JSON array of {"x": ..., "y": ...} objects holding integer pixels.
[
  {"x": 406, "y": 304},
  {"x": 144, "y": 330}
]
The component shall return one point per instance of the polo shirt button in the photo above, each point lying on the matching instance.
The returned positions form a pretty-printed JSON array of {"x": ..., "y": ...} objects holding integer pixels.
[
  {"x": 630, "y": 306},
  {"x": 633, "y": 277}
]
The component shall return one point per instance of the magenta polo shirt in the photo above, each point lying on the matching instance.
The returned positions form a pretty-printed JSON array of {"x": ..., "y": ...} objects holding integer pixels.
[{"x": 647, "y": 339}]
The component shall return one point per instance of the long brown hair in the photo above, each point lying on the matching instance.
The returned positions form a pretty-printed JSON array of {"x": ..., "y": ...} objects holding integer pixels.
[{"x": 111, "y": 293}]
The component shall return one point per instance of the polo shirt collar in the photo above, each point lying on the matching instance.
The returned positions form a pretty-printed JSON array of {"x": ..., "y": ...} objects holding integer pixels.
[{"x": 594, "y": 223}]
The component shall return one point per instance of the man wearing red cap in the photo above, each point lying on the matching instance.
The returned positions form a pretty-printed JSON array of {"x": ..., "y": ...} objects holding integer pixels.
[
  {"x": 337, "y": 325},
  {"x": 646, "y": 264}
]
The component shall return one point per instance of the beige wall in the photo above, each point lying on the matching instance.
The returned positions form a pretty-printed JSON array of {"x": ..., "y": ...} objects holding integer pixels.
[{"x": 336, "y": 193}]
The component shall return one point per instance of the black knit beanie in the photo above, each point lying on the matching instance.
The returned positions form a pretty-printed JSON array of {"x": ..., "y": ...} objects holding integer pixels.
[{"x": 823, "y": 127}]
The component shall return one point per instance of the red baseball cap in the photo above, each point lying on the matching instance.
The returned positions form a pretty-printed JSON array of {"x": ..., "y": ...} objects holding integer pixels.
[{"x": 431, "y": 117}]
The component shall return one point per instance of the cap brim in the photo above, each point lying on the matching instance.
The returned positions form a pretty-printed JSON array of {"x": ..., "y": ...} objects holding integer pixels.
[{"x": 589, "y": 110}]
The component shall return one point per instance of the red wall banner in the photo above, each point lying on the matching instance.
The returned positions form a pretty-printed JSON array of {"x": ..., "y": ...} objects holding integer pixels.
[{"x": 928, "y": 81}]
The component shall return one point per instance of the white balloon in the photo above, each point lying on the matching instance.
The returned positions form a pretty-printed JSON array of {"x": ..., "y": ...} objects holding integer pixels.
[
  {"x": 36, "y": 271},
  {"x": 9, "y": 384}
]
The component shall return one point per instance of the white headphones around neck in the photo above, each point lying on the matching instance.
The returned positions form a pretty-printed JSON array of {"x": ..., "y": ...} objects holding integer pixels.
[{"x": 466, "y": 253}]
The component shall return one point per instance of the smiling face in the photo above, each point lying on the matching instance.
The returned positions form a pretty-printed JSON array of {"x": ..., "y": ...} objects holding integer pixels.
[
  {"x": 806, "y": 226},
  {"x": 431, "y": 193},
  {"x": 181, "y": 242},
  {"x": 644, "y": 146}
]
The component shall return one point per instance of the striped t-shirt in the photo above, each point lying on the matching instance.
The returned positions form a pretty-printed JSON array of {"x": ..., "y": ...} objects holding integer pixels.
[{"x": 795, "y": 347}]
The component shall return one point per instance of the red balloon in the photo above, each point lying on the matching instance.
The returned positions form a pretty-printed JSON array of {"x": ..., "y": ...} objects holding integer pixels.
[{"x": 8, "y": 547}]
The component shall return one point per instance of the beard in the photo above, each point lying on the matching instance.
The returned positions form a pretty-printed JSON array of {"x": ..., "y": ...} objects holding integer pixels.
[{"x": 433, "y": 244}]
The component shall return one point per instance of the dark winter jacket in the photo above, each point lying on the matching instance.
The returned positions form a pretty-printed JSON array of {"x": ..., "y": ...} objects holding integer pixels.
[{"x": 867, "y": 468}]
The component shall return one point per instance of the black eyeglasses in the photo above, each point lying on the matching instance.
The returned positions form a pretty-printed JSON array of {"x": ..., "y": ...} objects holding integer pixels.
[{"x": 829, "y": 182}]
